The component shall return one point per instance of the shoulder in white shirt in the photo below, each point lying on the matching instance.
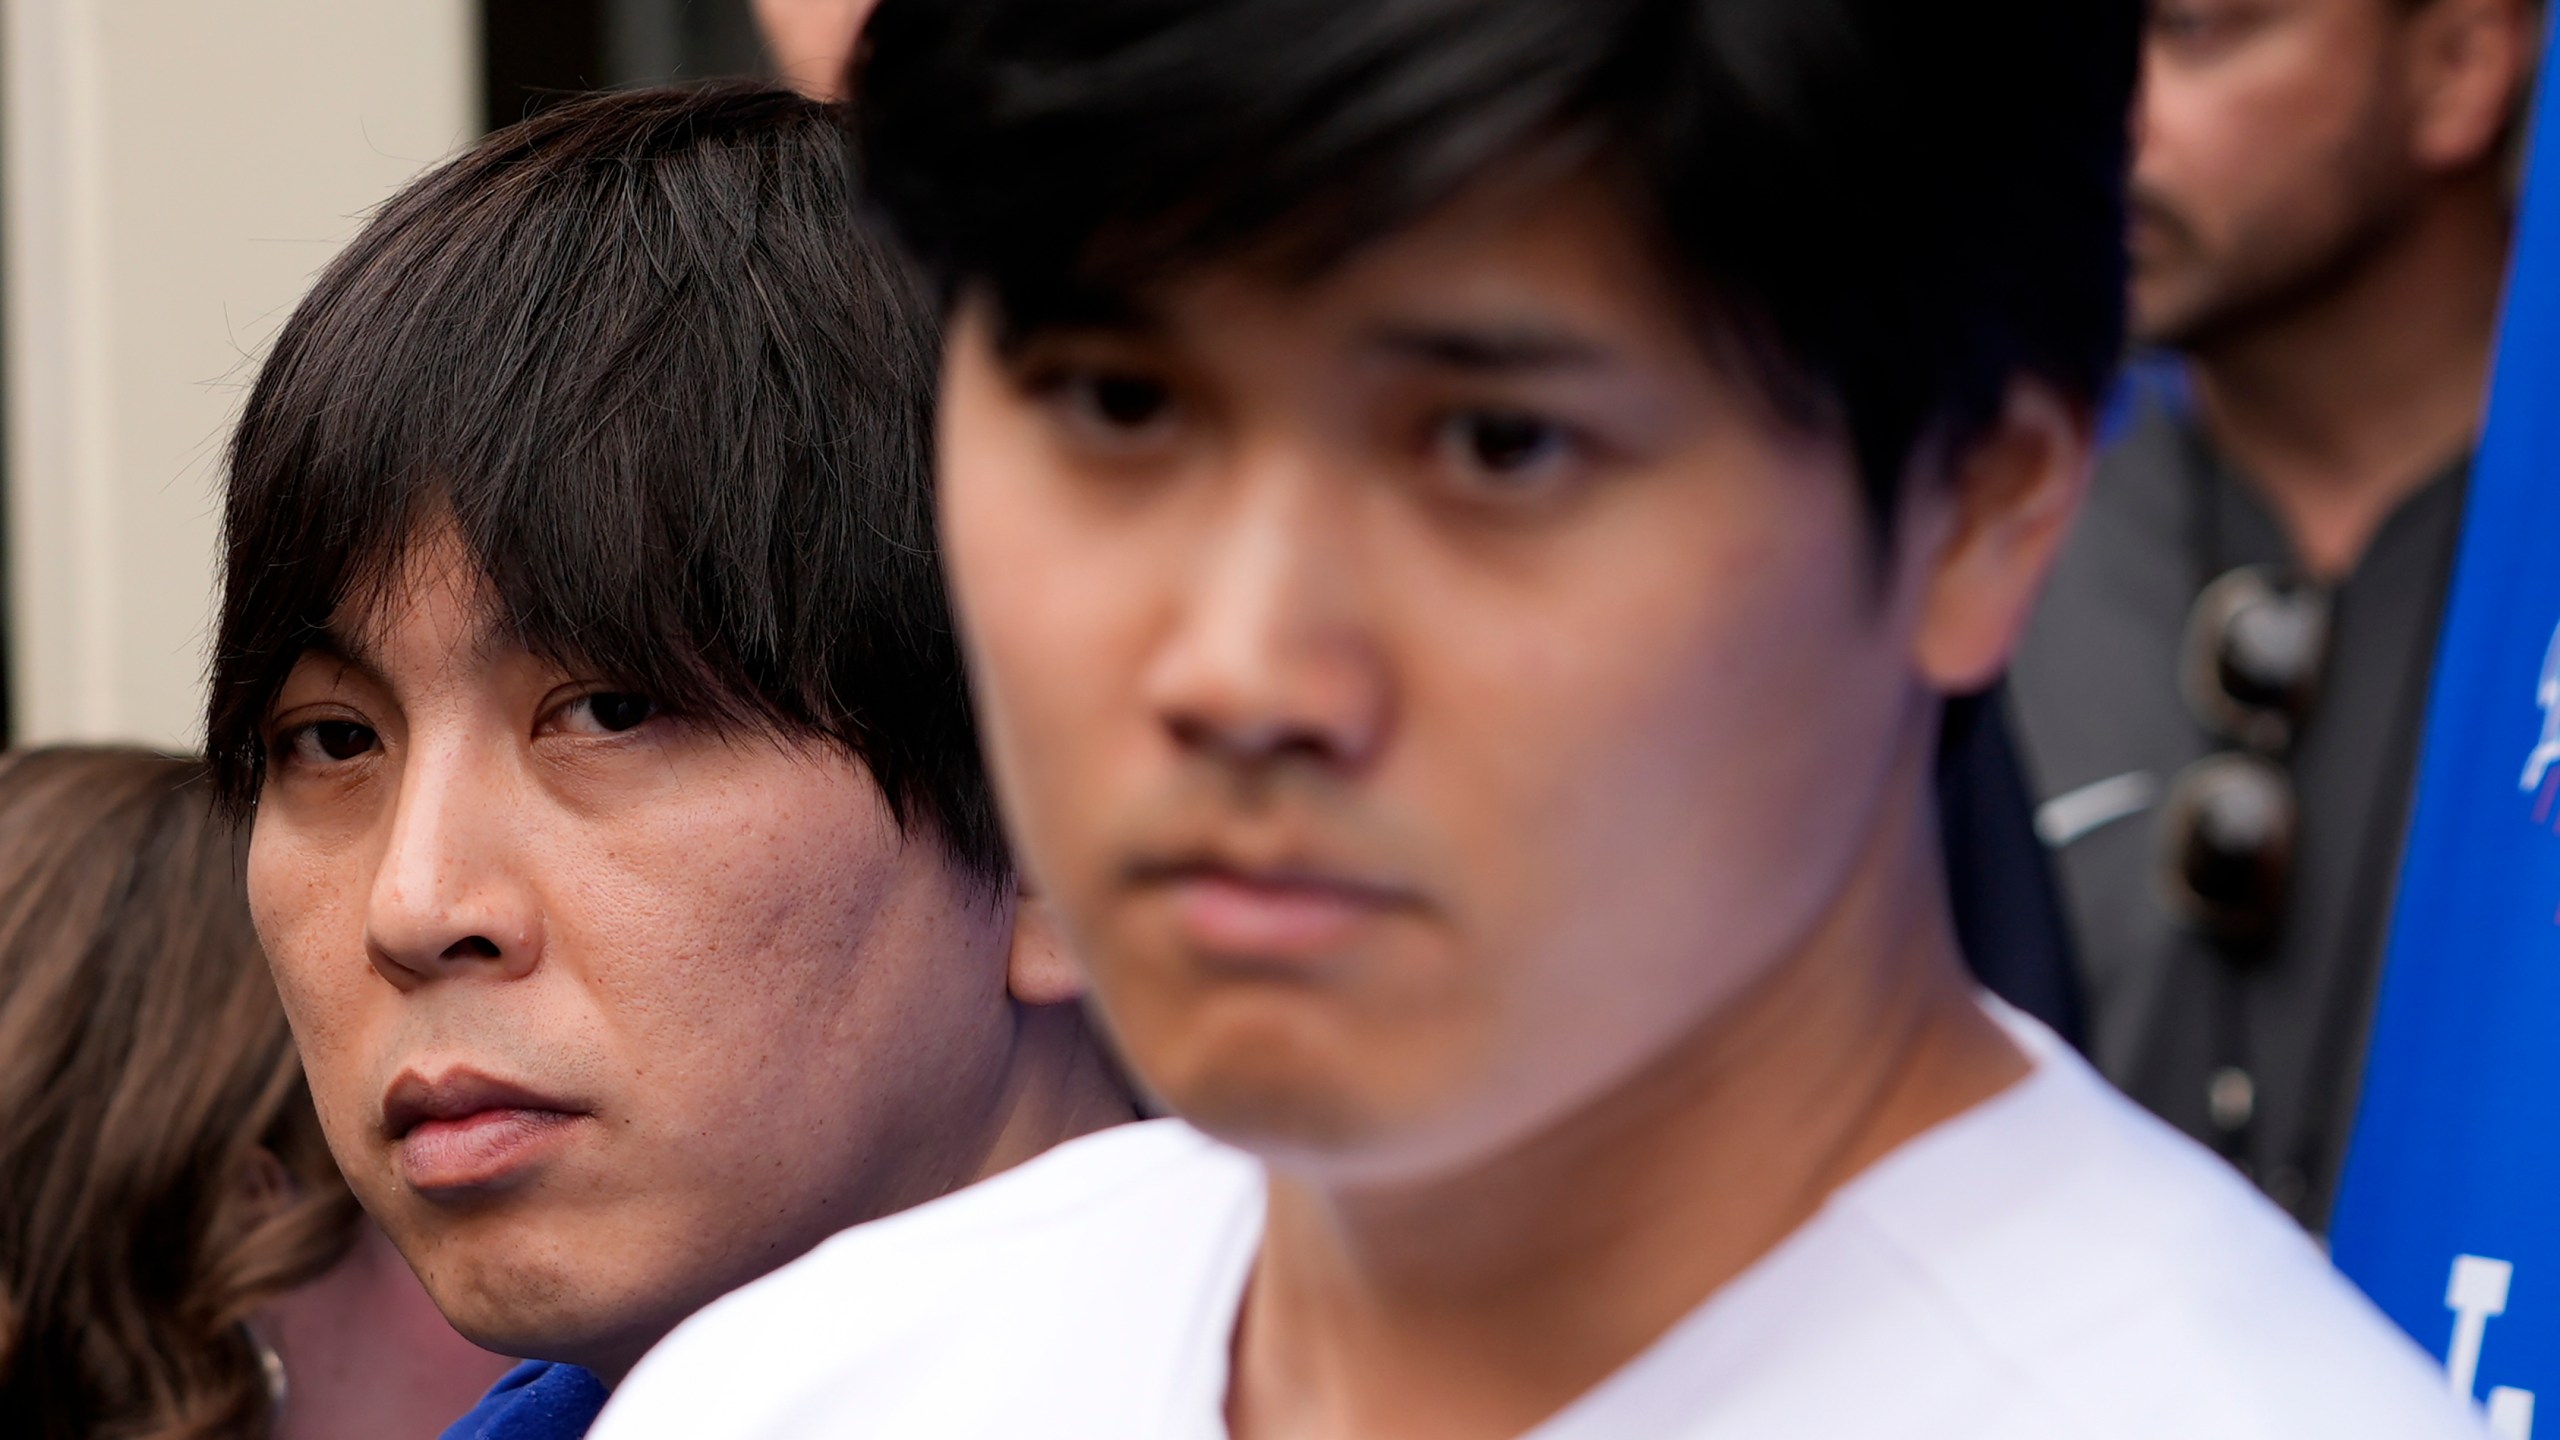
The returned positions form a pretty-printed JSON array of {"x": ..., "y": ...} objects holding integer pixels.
[{"x": 2052, "y": 1263}]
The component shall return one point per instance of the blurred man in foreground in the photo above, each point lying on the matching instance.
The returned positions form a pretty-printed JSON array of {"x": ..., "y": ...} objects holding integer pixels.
[
  {"x": 2222, "y": 695},
  {"x": 2008, "y": 909},
  {"x": 618, "y": 834},
  {"x": 1465, "y": 519}
]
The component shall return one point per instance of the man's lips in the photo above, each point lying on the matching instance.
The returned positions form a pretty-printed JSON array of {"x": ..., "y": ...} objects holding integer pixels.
[
  {"x": 465, "y": 1130},
  {"x": 1272, "y": 913}
]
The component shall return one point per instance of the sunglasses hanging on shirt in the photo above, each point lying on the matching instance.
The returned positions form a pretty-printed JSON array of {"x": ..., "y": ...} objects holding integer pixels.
[{"x": 2256, "y": 645}]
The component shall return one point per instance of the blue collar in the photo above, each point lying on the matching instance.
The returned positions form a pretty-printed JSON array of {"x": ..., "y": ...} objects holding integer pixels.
[{"x": 537, "y": 1400}]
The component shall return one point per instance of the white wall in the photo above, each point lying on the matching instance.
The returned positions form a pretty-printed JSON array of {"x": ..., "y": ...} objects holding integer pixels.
[{"x": 175, "y": 173}]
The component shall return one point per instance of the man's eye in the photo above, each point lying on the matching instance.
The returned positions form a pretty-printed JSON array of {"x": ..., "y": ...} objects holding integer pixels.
[
  {"x": 2191, "y": 26},
  {"x": 1114, "y": 402},
  {"x": 608, "y": 712},
  {"x": 1508, "y": 448},
  {"x": 326, "y": 742}
]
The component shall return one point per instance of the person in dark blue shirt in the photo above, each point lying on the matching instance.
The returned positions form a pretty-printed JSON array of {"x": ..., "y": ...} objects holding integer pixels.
[{"x": 617, "y": 830}]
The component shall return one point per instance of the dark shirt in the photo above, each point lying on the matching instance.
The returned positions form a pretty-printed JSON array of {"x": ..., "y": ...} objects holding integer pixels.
[
  {"x": 537, "y": 1400},
  {"x": 2000, "y": 886},
  {"x": 2096, "y": 696}
]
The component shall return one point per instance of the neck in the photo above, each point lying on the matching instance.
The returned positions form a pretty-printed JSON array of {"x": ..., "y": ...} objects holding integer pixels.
[
  {"x": 1481, "y": 1303},
  {"x": 2340, "y": 407},
  {"x": 1059, "y": 1086}
]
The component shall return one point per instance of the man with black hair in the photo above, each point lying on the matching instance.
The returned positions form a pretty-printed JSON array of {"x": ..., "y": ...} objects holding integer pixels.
[
  {"x": 618, "y": 835},
  {"x": 1465, "y": 518}
]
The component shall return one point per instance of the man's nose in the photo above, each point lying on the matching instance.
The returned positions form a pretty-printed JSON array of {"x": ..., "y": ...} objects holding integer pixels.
[
  {"x": 1271, "y": 655},
  {"x": 450, "y": 895}
]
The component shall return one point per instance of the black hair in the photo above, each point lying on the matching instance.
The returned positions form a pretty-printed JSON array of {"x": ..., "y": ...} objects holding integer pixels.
[
  {"x": 1891, "y": 209},
  {"x": 675, "y": 397}
]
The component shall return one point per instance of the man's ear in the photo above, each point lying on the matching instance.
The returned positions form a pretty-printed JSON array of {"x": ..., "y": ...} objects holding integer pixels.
[
  {"x": 2469, "y": 64},
  {"x": 2006, "y": 504},
  {"x": 1040, "y": 971}
]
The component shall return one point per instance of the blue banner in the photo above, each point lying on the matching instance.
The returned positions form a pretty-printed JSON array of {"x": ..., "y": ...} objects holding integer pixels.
[{"x": 2450, "y": 1211}]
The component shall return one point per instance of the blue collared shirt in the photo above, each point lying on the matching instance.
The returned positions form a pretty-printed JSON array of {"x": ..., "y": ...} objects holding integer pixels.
[{"x": 537, "y": 1400}]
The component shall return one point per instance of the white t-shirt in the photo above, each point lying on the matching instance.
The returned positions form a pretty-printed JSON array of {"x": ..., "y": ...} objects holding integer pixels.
[{"x": 2049, "y": 1265}]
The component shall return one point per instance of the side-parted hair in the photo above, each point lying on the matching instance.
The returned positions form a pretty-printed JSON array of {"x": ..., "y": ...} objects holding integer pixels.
[
  {"x": 644, "y": 354},
  {"x": 1889, "y": 209},
  {"x": 162, "y": 1174}
]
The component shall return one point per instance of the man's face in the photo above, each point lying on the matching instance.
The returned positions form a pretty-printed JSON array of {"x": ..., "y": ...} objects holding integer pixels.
[
  {"x": 1429, "y": 694},
  {"x": 2273, "y": 151},
  {"x": 605, "y": 1014}
]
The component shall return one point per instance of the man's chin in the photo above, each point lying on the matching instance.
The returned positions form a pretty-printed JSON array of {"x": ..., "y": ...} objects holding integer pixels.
[
  {"x": 1338, "y": 1136},
  {"x": 2168, "y": 311},
  {"x": 570, "y": 1333},
  {"x": 535, "y": 1304},
  {"x": 2201, "y": 309},
  {"x": 1286, "y": 1123}
]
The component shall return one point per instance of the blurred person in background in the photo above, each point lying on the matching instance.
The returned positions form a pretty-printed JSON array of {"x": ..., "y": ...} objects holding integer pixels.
[
  {"x": 1465, "y": 521},
  {"x": 2222, "y": 695},
  {"x": 811, "y": 41},
  {"x": 618, "y": 833},
  {"x": 178, "y": 1257}
]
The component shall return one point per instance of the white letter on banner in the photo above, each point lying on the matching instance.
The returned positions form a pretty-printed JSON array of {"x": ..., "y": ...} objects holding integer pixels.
[
  {"x": 2547, "y": 695},
  {"x": 2511, "y": 1413},
  {"x": 2476, "y": 1293}
]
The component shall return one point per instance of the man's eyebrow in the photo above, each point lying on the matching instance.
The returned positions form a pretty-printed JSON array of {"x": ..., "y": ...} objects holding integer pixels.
[
  {"x": 1495, "y": 349},
  {"x": 356, "y": 651},
  {"x": 347, "y": 650},
  {"x": 1113, "y": 316}
]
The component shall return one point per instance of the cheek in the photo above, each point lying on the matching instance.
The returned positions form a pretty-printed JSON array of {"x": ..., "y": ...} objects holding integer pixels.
[
  {"x": 710, "y": 918},
  {"x": 805, "y": 1005},
  {"x": 789, "y": 931},
  {"x": 1696, "y": 718},
  {"x": 2267, "y": 146},
  {"x": 307, "y": 901},
  {"x": 1052, "y": 602}
]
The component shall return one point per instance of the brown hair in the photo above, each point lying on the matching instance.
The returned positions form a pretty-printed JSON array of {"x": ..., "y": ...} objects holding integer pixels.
[{"x": 149, "y": 1094}]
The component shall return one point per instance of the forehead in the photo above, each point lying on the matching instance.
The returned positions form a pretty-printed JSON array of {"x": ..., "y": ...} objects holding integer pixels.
[
  {"x": 2329, "y": 18},
  {"x": 430, "y": 606},
  {"x": 1562, "y": 251}
]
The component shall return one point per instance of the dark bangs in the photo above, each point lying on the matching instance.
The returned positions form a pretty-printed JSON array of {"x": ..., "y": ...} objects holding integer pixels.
[
  {"x": 643, "y": 354},
  {"x": 1888, "y": 209}
]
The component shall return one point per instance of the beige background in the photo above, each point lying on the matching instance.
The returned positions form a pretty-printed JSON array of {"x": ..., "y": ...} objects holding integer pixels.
[{"x": 175, "y": 172}]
